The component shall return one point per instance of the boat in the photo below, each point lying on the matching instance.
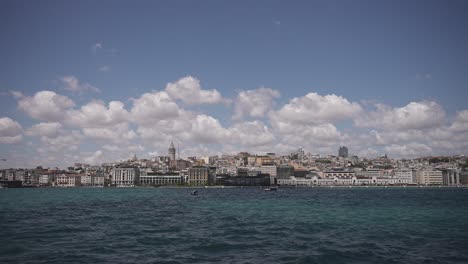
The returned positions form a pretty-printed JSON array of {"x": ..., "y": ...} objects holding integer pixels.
[
  {"x": 194, "y": 192},
  {"x": 271, "y": 189}
]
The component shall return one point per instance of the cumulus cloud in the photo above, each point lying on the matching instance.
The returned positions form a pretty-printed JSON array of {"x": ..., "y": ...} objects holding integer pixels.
[
  {"x": 66, "y": 142},
  {"x": 116, "y": 133},
  {"x": 206, "y": 129},
  {"x": 72, "y": 84},
  {"x": 97, "y": 114},
  {"x": 314, "y": 109},
  {"x": 410, "y": 150},
  {"x": 251, "y": 134},
  {"x": 153, "y": 107},
  {"x": 461, "y": 122},
  {"x": 95, "y": 158},
  {"x": 254, "y": 103},
  {"x": 189, "y": 91},
  {"x": 114, "y": 129},
  {"x": 10, "y": 131},
  {"x": 415, "y": 115},
  {"x": 51, "y": 129},
  {"x": 46, "y": 106}
]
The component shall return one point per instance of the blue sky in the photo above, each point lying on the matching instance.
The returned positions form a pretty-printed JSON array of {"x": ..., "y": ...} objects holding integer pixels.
[{"x": 388, "y": 53}]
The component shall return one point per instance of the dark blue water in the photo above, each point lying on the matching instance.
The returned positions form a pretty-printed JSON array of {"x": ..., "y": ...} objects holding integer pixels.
[{"x": 244, "y": 225}]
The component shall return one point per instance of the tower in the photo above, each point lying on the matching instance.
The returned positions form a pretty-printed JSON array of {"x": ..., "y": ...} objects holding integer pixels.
[
  {"x": 172, "y": 151},
  {"x": 343, "y": 152}
]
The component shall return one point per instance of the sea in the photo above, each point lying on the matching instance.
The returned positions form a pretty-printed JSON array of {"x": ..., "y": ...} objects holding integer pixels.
[{"x": 234, "y": 225}]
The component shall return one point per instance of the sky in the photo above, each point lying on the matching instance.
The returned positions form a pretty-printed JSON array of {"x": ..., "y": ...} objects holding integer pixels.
[{"x": 99, "y": 81}]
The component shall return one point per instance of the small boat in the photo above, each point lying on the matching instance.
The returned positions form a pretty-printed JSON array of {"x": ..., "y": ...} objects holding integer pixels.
[
  {"x": 194, "y": 192},
  {"x": 271, "y": 189}
]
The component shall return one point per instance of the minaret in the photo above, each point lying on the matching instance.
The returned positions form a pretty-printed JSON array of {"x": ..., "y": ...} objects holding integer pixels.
[{"x": 172, "y": 151}]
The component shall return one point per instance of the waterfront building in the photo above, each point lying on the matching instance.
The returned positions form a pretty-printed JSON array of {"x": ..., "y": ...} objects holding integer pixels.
[
  {"x": 338, "y": 174},
  {"x": 154, "y": 179},
  {"x": 284, "y": 171},
  {"x": 45, "y": 180},
  {"x": 31, "y": 179},
  {"x": 371, "y": 172},
  {"x": 450, "y": 177},
  {"x": 97, "y": 180},
  {"x": 271, "y": 170},
  {"x": 92, "y": 180},
  {"x": 404, "y": 175},
  {"x": 259, "y": 179},
  {"x": 86, "y": 180},
  {"x": 343, "y": 152},
  {"x": 198, "y": 175},
  {"x": 125, "y": 176},
  {"x": 429, "y": 177},
  {"x": 464, "y": 177},
  {"x": 10, "y": 175},
  {"x": 68, "y": 180}
]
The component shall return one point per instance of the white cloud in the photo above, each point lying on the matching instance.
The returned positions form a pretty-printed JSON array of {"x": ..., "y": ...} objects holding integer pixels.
[
  {"x": 153, "y": 107},
  {"x": 72, "y": 84},
  {"x": 97, "y": 114},
  {"x": 206, "y": 129},
  {"x": 251, "y": 134},
  {"x": 254, "y": 103},
  {"x": 67, "y": 142},
  {"x": 46, "y": 106},
  {"x": 10, "y": 131},
  {"x": 461, "y": 122},
  {"x": 189, "y": 91},
  {"x": 51, "y": 129},
  {"x": 410, "y": 150},
  {"x": 95, "y": 158},
  {"x": 415, "y": 115},
  {"x": 315, "y": 109},
  {"x": 117, "y": 133},
  {"x": 114, "y": 129}
]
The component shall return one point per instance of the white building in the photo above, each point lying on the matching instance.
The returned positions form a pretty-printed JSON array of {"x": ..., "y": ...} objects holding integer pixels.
[
  {"x": 451, "y": 177},
  {"x": 374, "y": 173},
  {"x": 125, "y": 177},
  {"x": 404, "y": 176},
  {"x": 338, "y": 174},
  {"x": 68, "y": 180},
  {"x": 45, "y": 179},
  {"x": 161, "y": 180}
]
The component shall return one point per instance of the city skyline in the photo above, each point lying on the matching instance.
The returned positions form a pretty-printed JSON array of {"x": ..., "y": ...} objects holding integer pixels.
[{"x": 219, "y": 79}]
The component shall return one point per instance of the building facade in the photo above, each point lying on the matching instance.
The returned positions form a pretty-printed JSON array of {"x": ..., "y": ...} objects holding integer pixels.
[
  {"x": 161, "y": 179},
  {"x": 125, "y": 177},
  {"x": 198, "y": 176},
  {"x": 429, "y": 177},
  {"x": 343, "y": 152}
]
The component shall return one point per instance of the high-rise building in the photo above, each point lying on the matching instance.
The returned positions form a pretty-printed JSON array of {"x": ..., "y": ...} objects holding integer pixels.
[
  {"x": 172, "y": 151},
  {"x": 343, "y": 152}
]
